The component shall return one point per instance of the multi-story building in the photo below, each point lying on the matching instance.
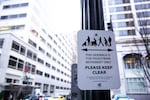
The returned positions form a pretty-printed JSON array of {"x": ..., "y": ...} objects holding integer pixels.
[
  {"x": 130, "y": 20},
  {"x": 30, "y": 55}
]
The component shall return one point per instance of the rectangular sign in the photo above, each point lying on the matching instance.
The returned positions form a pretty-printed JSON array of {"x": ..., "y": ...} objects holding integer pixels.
[{"x": 97, "y": 60}]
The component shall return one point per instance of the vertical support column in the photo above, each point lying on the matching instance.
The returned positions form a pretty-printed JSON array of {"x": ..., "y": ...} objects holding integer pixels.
[{"x": 93, "y": 19}]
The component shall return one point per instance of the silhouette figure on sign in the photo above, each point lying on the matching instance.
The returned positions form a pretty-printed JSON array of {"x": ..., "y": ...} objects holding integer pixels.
[
  {"x": 100, "y": 42},
  {"x": 94, "y": 42},
  {"x": 106, "y": 42},
  {"x": 84, "y": 44},
  {"x": 109, "y": 39},
  {"x": 88, "y": 40}
]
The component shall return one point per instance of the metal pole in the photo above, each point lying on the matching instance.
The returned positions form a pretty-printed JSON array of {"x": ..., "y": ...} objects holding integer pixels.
[{"x": 93, "y": 19}]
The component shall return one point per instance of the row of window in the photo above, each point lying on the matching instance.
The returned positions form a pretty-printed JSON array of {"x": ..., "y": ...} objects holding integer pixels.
[
  {"x": 13, "y": 16},
  {"x": 123, "y": 1},
  {"x": 47, "y": 75},
  {"x": 125, "y": 32},
  {"x": 45, "y": 86},
  {"x": 122, "y": 16},
  {"x": 22, "y": 50},
  {"x": 133, "y": 61},
  {"x": 50, "y": 88},
  {"x": 128, "y": 8},
  {"x": 14, "y": 27},
  {"x": 143, "y": 14},
  {"x": 49, "y": 45},
  {"x": 30, "y": 54},
  {"x": 19, "y": 64},
  {"x": 47, "y": 54},
  {"x": 142, "y": 6},
  {"x": 118, "y": 2},
  {"x": 123, "y": 24},
  {"x": 119, "y": 9},
  {"x": 140, "y": 0},
  {"x": 15, "y": 6},
  {"x": 136, "y": 85}
]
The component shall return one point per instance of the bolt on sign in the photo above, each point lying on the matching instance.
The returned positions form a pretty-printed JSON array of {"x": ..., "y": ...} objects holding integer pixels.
[{"x": 97, "y": 60}]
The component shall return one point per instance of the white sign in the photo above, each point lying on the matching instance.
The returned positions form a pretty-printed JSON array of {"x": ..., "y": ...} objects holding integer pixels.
[{"x": 97, "y": 60}]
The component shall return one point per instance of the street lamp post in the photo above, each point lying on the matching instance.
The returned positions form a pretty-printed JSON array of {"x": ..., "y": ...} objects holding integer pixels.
[{"x": 93, "y": 19}]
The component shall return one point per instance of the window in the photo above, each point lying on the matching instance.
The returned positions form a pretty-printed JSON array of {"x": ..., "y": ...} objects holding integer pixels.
[
  {"x": 142, "y": 6},
  {"x": 6, "y": 6},
  {"x": 1, "y": 42},
  {"x": 136, "y": 85},
  {"x": 119, "y": 9},
  {"x": 53, "y": 67},
  {"x": 32, "y": 43},
  {"x": 13, "y": 16},
  {"x": 23, "y": 4},
  {"x": 15, "y": 46},
  {"x": 132, "y": 61},
  {"x": 34, "y": 56},
  {"x": 42, "y": 39},
  {"x": 4, "y": 17},
  {"x": 37, "y": 84},
  {"x": 39, "y": 72},
  {"x": 144, "y": 22},
  {"x": 123, "y": 24},
  {"x": 15, "y": 5},
  {"x": 20, "y": 65},
  {"x": 45, "y": 88},
  {"x": 17, "y": 27},
  {"x": 22, "y": 15},
  {"x": 52, "y": 88},
  {"x": 118, "y": 2},
  {"x": 144, "y": 31},
  {"x": 41, "y": 49},
  {"x": 49, "y": 45},
  {"x": 122, "y": 16},
  {"x": 53, "y": 77},
  {"x": 29, "y": 54},
  {"x": 140, "y": 0},
  {"x": 16, "y": 63},
  {"x": 18, "y": 48},
  {"x": 54, "y": 59},
  {"x": 22, "y": 50},
  {"x": 125, "y": 32},
  {"x": 47, "y": 75},
  {"x": 47, "y": 64},
  {"x": 48, "y": 55},
  {"x": 143, "y": 14},
  {"x": 12, "y": 62},
  {"x": 8, "y": 80},
  {"x": 33, "y": 69},
  {"x": 40, "y": 61},
  {"x": 50, "y": 37}
]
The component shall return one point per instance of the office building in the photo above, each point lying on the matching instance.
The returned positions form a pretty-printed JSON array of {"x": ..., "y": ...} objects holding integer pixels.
[
  {"x": 130, "y": 19},
  {"x": 31, "y": 56}
]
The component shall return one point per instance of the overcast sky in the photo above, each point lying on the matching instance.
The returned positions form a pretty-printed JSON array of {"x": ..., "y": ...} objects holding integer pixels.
[{"x": 63, "y": 15}]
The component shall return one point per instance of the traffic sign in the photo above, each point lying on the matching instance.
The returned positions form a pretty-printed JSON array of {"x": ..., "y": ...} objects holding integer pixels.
[{"x": 97, "y": 60}]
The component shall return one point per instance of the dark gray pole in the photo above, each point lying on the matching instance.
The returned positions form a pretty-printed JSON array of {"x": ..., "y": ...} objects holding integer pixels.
[{"x": 93, "y": 19}]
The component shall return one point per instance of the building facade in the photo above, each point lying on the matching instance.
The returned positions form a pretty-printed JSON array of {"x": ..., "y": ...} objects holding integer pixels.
[
  {"x": 30, "y": 55},
  {"x": 130, "y": 22}
]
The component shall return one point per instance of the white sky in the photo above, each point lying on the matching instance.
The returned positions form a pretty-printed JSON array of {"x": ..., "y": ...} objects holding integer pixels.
[{"x": 64, "y": 15}]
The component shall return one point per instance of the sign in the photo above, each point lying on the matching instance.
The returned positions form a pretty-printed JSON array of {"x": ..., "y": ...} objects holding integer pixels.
[{"x": 97, "y": 60}]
